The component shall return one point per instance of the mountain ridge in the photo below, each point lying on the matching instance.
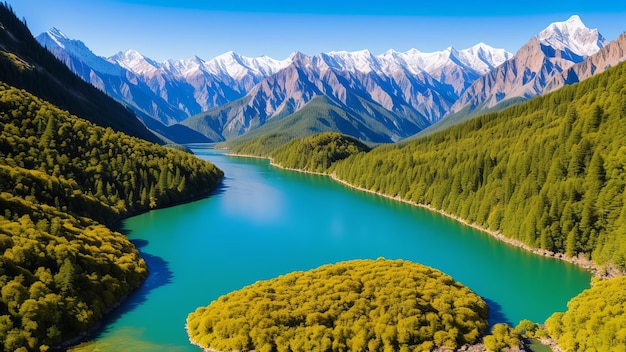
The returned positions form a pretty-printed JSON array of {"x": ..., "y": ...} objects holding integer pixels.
[
  {"x": 414, "y": 87},
  {"x": 176, "y": 89},
  {"x": 553, "y": 50}
]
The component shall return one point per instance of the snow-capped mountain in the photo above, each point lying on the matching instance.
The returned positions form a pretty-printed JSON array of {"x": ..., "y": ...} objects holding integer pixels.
[
  {"x": 413, "y": 89},
  {"x": 555, "y": 49},
  {"x": 429, "y": 83},
  {"x": 393, "y": 94},
  {"x": 56, "y": 41},
  {"x": 196, "y": 85},
  {"x": 610, "y": 55},
  {"x": 572, "y": 35},
  {"x": 109, "y": 77}
]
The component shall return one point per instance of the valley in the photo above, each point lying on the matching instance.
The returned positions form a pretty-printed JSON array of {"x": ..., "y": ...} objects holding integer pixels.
[{"x": 125, "y": 207}]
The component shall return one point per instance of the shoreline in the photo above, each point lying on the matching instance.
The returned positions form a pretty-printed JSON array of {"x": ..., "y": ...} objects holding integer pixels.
[{"x": 579, "y": 260}]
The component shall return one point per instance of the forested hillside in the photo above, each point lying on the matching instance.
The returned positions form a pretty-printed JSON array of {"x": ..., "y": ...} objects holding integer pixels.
[
  {"x": 595, "y": 320},
  {"x": 550, "y": 172},
  {"x": 62, "y": 181},
  {"x": 358, "y": 305},
  {"x": 317, "y": 153},
  {"x": 25, "y": 64}
]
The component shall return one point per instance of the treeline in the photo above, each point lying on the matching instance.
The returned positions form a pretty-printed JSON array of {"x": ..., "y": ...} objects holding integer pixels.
[
  {"x": 359, "y": 305},
  {"x": 318, "y": 152},
  {"x": 62, "y": 179},
  {"x": 550, "y": 172},
  {"x": 595, "y": 320}
]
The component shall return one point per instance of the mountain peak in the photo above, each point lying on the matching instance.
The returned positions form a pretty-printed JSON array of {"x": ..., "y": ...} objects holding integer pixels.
[
  {"x": 575, "y": 20},
  {"x": 572, "y": 35},
  {"x": 55, "y": 32}
]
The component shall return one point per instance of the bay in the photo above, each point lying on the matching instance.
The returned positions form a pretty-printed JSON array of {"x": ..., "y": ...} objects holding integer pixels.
[{"x": 263, "y": 222}]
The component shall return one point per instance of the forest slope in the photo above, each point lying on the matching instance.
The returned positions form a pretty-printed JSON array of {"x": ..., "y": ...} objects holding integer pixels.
[
  {"x": 595, "y": 320},
  {"x": 62, "y": 181},
  {"x": 550, "y": 172}
]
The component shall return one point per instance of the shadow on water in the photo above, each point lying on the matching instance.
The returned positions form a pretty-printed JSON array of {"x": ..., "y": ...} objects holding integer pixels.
[
  {"x": 220, "y": 188},
  {"x": 159, "y": 275},
  {"x": 495, "y": 313}
]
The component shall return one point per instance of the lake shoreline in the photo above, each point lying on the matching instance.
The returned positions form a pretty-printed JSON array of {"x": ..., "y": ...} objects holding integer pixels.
[{"x": 579, "y": 260}]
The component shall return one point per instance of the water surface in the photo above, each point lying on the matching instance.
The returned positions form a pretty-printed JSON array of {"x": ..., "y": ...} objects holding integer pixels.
[{"x": 263, "y": 222}]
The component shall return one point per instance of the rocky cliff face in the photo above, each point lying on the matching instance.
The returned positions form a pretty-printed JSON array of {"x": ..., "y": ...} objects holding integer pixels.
[
  {"x": 612, "y": 54},
  {"x": 554, "y": 50}
]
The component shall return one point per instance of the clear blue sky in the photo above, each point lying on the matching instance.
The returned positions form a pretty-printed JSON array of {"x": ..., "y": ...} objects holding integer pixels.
[{"x": 171, "y": 29}]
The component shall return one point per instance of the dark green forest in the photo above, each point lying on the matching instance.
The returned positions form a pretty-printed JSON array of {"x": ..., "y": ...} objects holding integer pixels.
[
  {"x": 550, "y": 172},
  {"x": 63, "y": 181},
  {"x": 358, "y": 305}
]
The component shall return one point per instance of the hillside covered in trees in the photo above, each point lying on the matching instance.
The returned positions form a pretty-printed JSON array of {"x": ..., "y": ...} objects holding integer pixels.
[
  {"x": 63, "y": 180},
  {"x": 358, "y": 305},
  {"x": 595, "y": 320},
  {"x": 549, "y": 173},
  {"x": 316, "y": 153}
]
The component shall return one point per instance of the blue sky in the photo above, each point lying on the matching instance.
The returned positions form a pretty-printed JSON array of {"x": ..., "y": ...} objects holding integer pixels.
[{"x": 170, "y": 29}]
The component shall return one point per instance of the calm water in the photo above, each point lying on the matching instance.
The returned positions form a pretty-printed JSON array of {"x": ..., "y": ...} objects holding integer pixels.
[{"x": 264, "y": 222}]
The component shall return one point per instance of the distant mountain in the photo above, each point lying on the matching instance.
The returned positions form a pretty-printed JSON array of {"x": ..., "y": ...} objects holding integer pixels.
[
  {"x": 25, "y": 64},
  {"x": 116, "y": 81},
  {"x": 554, "y": 50},
  {"x": 390, "y": 96},
  {"x": 411, "y": 85}
]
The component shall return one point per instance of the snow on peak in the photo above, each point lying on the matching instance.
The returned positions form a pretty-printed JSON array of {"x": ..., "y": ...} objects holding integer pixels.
[
  {"x": 483, "y": 57},
  {"x": 135, "y": 62},
  {"x": 238, "y": 66},
  {"x": 59, "y": 37},
  {"x": 353, "y": 61},
  {"x": 76, "y": 49},
  {"x": 573, "y": 35}
]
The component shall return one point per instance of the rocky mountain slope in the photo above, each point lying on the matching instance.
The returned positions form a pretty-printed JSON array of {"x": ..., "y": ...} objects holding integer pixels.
[
  {"x": 411, "y": 86},
  {"x": 554, "y": 50}
]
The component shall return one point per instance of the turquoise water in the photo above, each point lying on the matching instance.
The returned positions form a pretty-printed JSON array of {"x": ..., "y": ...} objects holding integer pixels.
[{"x": 263, "y": 222}]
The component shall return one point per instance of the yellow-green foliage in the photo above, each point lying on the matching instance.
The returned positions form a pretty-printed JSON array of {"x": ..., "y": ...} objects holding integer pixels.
[
  {"x": 316, "y": 153},
  {"x": 502, "y": 336},
  {"x": 550, "y": 172},
  {"x": 62, "y": 179},
  {"x": 358, "y": 305},
  {"x": 261, "y": 146},
  {"x": 113, "y": 172},
  {"x": 595, "y": 320}
]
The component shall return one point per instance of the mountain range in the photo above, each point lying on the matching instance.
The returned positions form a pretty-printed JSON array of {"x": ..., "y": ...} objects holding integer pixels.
[{"x": 377, "y": 98}]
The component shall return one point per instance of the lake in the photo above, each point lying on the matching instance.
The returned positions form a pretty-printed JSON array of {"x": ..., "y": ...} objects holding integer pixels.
[{"x": 263, "y": 222}]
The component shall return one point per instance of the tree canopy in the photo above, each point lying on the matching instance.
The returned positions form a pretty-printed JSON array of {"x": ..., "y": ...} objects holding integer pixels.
[
  {"x": 318, "y": 152},
  {"x": 595, "y": 320},
  {"x": 63, "y": 180},
  {"x": 375, "y": 305}
]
